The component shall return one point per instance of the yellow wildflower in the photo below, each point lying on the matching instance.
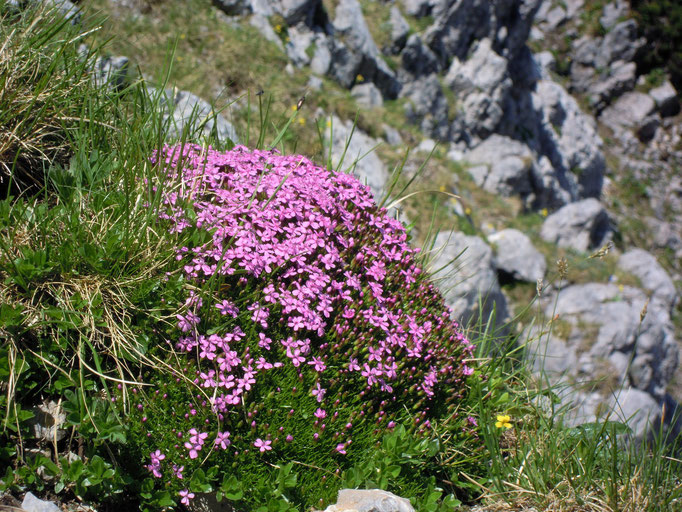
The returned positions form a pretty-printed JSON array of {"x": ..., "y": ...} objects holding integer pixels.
[
  {"x": 467, "y": 210},
  {"x": 182, "y": 36},
  {"x": 301, "y": 121},
  {"x": 544, "y": 212},
  {"x": 278, "y": 28},
  {"x": 503, "y": 420},
  {"x": 359, "y": 78}
]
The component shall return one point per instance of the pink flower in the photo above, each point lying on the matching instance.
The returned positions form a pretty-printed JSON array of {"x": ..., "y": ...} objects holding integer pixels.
[
  {"x": 341, "y": 448},
  {"x": 222, "y": 440},
  {"x": 186, "y": 496},
  {"x": 177, "y": 471},
  {"x": 263, "y": 446},
  {"x": 320, "y": 414},
  {"x": 318, "y": 392}
]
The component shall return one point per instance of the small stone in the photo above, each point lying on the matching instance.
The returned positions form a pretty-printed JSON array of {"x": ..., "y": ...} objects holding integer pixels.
[
  {"x": 33, "y": 504},
  {"x": 369, "y": 500}
]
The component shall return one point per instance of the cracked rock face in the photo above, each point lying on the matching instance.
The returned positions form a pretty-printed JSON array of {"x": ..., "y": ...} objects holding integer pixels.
[{"x": 613, "y": 354}]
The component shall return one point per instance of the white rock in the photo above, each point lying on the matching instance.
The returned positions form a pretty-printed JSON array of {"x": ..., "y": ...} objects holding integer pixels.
[
  {"x": 369, "y": 500},
  {"x": 33, "y": 504},
  {"x": 583, "y": 225},
  {"x": 517, "y": 256}
]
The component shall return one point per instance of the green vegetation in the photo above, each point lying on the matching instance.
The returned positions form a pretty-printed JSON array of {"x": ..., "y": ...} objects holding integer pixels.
[
  {"x": 91, "y": 287},
  {"x": 660, "y": 22}
]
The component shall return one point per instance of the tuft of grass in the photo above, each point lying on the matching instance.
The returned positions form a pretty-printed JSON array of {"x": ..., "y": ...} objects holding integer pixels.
[{"x": 42, "y": 103}]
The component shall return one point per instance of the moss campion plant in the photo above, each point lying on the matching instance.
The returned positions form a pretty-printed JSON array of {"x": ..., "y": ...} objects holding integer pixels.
[{"x": 309, "y": 330}]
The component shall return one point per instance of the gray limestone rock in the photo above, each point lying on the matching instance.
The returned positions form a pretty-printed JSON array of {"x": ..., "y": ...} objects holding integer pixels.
[
  {"x": 606, "y": 318},
  {"x": 400, "y": 29},
  {"x": 666, "y": 100},
  {"x": 483, "y": 84},
  {"x": 322, "y": 56},
  {"x": 47, "y": 421},
  {"x": 417, "y": 58},
  {"x": 418, "y": 8},
  {"x": 112, "y": 71},
  {"x": 620, "y": 78},
  {"x": 516, "y": 256},
  {"x": 392, "y": 136},
  {"x": 652, "y": 275},
  {"x": 613, "y": 12},
  {"x": 66, "y": 8},
  {"x": 583, "y": 225},
  {"x": 367, "y": 95},
  {"x": 555, "y": 17},
  {"x": 344, "y": 64},
  {"x": 638, "y": 409},
  {"x": 233, "y": 7},
  {"x": 620, "y": 43},
  {"x": 618, "y": 365},
  {"x": 507, "y": 166},
  {"x": 360, "y": 157},
  {"x": 350, "y": 22},
  {"x": 369, "y": 500},
  {"x": 630, "y": 111},
  {"x": 300, "y": 39},
  {"x": 358, "y": 54},
  {"x": 457, "y": 24},
  {"x": 466, "y": 276},
  {"x": 427, "y": 106},
  {"x": 548, "y": 354},
  {"x": 570, "y": 140},
  {"x": 263, "y": 25},
  {"x": 295, "y": 11}
]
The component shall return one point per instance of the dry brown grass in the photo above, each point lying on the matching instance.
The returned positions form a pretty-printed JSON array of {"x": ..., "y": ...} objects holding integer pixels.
[{"x": 40, "y": 99}]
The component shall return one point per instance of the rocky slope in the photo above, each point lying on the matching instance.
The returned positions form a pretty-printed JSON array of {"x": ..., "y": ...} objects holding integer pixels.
[{"x": 541, "y": 102}]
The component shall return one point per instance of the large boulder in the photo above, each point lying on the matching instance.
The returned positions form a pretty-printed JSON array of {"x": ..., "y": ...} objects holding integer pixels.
[
  {"x": 666, "y": 100},
  {"x": 516, "y": 257},
  {"x": 505, "y": 166},
  {"x": 583, "y": 225},
  {"x": 350, "y": 26},
  {"x": 652, "y": 275},
  {"x": 356, "y": 154},
  {"x": 466, "y": 277},
  {"x": 630, "y": 111}
]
